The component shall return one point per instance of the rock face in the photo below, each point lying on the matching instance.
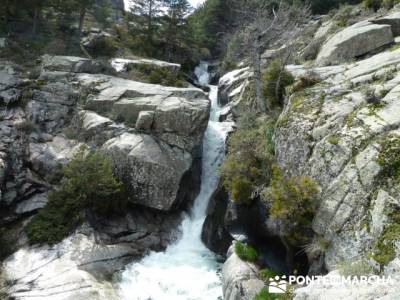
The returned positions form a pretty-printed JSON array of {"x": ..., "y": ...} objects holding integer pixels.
[
  {"x": 161, "y": 133},
  {"x": 214, "y": 233},
  {"x": 80, "y": 267},
  {"x": 231, "y": 84},
  {"x": 151, "y": 170},
  {"x": 153, "y": 134},
  {"x": 354, "y": 41},
  {"x": 340, "y": 132},
  {"x": 393, "y": 20},
  {"x": 127, "y": 65},
  {"x": 9, "y": 84},
  {"x": 240, "y": 280},
  {"x": 59, "y": 272},
  {"x": 48, "y": 158},
  {"x": 334, "y": 132}
]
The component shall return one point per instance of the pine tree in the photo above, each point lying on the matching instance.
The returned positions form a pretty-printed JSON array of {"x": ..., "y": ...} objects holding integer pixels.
[
  {"x": 83, "y": 5},
  {"x": 35, "y": 6},
  {"x": 146, "y": 14},
  {"x": 175, "y": 26}
]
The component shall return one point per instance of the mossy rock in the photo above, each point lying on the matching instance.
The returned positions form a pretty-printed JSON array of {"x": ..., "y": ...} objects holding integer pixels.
[
  {"x": 389, "y": 157},
  {"x": 246, "y": 252}
]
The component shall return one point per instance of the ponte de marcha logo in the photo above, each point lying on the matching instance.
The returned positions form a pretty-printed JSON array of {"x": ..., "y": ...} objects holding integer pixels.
[
  {"x": 281, "y": 284},
  {"x": 277, "y": 285}
]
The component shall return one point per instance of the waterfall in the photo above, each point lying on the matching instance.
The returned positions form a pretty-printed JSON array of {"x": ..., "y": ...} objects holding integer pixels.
[
  {"x": 186, "y": 270},
  {"x": 201, "y": 72}
]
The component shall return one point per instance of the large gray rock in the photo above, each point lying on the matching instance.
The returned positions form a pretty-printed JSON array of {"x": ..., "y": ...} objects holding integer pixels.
[
  {"x": 214, "y": 233},
  {"x": 53, "y": 102},
  {"x": 232, "y": 84},
  {"x": 58, "y": 273},
  {"x": 180, "y": 114},
  {"x": 129, "y": 109},
  {"x": 34, "y": 203},
  {"x": 332, "y": 133},
  {"x": 47, "y": 159},
  {"x": 393, "y": 20},
  {"x": 161, "y": 170},
  {"x": 310, "y": 52},
  {"x": 99, "y": 43},
  {"x": 127, "y": 65},
  {"x": 95, "y": 129},
  {"x": 107, "y": 90},
  {"x": 9, "y": 83},
  {"x": 354, "y": 41},
  {"x": 82, "y": 266},
  {"x": 69, "y": 64},
  {"x": 240, "y": 279},
  {"x": 151, "y": 170},
  {"x": 145, "y": 121}
]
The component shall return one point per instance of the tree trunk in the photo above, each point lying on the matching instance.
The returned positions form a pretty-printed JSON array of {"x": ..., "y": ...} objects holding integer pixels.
[
  {"x": 150, "y": 24},
  {"x": 36, "y": 12},
  {"x": 82, "y": 15},
  {"x": 261, "y": 103},
  {"x": 6, "y": 12}
]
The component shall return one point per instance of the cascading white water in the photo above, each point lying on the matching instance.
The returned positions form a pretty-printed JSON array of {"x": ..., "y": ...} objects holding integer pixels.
[{"x": 186, "y": 270}]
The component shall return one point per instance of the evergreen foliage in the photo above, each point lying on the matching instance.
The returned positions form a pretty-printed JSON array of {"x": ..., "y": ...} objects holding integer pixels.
[
  {"x": 293, "y": 201},
  {"x": 275, "y": 80},
  {"x": 88, "y": 186},
  {"x": 245, "y": 252},
  {"x": 248, "y": 163},
  {"x": 145, "y": 21}
]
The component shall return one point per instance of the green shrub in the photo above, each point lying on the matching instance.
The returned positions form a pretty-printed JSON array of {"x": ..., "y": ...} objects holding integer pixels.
[
  {"x": 27, "y": 126},
  {"x": 343, "y": 15},
  {"x": 385, "y": 248},
  {"x": 247, "y": 119},
  {"x": 164, "y": 77},
  {"x": 317, "y": 246},
  {"x": 247, "y": 165},
  {"x": 389, "y": 158},
  {"x": 373, "y": 4},
  {"x": 333, "y": 139},
  {"x": 304, "y": 82},
  {"x": 229, "y": 64},
  {"x": 275, "y": 80},
  {"x": 388, "y": 4},
  {"x": 88, "y": 184},
  {"x": 266, "y": 274},
  {"x": 263, "y": 294},
  {"x": 293, "y": 201},
  {"x": 105, "y": 47},
  {"x": 245, "y": 252}
]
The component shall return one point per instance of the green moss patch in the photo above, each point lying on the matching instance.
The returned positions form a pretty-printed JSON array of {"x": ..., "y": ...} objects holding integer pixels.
[
  {"x": 246, "y": 252},
  {"x": 389, "y": 157},
  {"x": 333, "y": 139}
]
